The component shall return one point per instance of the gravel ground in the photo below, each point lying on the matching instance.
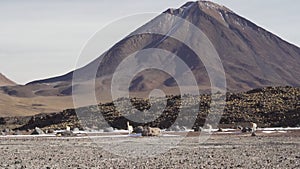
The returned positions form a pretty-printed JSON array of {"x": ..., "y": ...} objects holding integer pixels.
[{"x": 220, "y": 151}]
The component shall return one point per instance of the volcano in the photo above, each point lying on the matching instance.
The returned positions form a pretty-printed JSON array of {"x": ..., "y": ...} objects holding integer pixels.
[{"x": 252, "y": 57}]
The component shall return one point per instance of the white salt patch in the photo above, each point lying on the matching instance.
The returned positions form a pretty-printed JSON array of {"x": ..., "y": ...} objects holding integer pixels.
[
  {"x": 230, "y": 132},
  {"x": 269, "y": 132},
  {"x": 280, "y": 129},
  {"x": 28, "y": 136},
  {"x": 225, "y": 130}
]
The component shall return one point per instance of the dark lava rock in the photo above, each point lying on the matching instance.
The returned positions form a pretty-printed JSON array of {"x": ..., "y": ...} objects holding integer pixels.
[
  {"x": 246, "y": 129},
  {"x": 138, "y": 129}
]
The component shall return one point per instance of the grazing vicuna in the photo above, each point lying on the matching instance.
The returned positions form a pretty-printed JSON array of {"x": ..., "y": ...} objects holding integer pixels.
[
  {"x": 129, "y": 128},
  {"x": 253, "y": 128}
]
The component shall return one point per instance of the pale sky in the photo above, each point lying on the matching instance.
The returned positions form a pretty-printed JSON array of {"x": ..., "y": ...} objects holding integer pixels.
[{"x": 41, "y": 39}]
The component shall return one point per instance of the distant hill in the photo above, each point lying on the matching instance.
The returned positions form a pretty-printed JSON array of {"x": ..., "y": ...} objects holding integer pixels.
[{"x": 4, "y": 81}]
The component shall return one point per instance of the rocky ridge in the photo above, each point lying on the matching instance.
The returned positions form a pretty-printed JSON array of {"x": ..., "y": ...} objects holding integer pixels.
[{"x": 268, "y": 107}]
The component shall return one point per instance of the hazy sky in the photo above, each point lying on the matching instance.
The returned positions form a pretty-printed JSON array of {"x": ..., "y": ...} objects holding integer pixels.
[{"x": 41, "y": 39}]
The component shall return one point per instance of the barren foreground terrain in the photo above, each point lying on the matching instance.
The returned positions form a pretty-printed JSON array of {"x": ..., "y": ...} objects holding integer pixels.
[{"x": 276, "y": 150}]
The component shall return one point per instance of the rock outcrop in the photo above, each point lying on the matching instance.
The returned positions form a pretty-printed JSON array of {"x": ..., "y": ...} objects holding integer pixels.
[{"x": 37, "y": 131}]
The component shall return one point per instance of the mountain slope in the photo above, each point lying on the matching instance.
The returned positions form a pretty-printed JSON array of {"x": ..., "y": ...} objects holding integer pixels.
[
  {"x": 252, "y": 57},
  {"x": 4, "y": 81}
]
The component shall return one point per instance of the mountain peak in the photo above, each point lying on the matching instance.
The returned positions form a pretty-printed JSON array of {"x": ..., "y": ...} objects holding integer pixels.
[
  {"x": 211, "y": 5},
  {"x": 202, "y": 5},
  {"x": 216, "y": 11}
]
